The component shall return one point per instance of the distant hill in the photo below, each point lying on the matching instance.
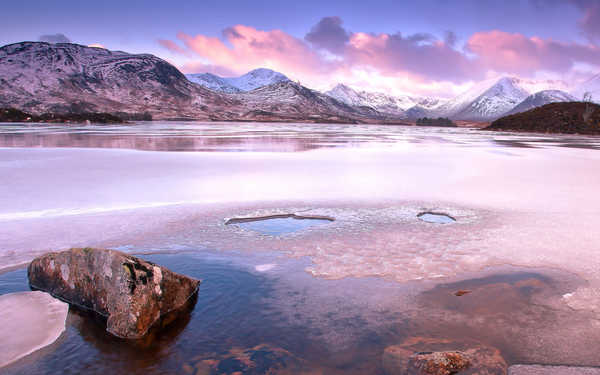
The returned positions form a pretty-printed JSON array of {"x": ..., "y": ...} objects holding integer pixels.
[
  {"x": 565, "y": 118},
  {"x": 15, "y": 115},
  {"x": 440, "y": 121}
]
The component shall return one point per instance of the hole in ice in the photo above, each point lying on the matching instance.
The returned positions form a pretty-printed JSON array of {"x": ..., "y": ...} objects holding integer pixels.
[
  {"x": 436, "y": 217},
  {"x": 276, "y": 225}
]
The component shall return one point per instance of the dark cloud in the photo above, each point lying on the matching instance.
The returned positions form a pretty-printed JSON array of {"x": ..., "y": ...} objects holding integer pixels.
[
  {"x": 590, "y": 22},
  {"x": 54, "y": 38},
  {"x": 519, "y": 54},
  {"x": 172, "y": 46},
  {"x": 232, "y": 33},
  {"x": 329, "y": 35},
  {"x": 420, "y": 37},
  {"x": 450, "y": 38},
  {"x": 418, "y": 54}
]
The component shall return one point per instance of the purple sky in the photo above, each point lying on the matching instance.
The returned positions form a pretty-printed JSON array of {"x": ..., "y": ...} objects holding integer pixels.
[{"x": 435, "y": 46}]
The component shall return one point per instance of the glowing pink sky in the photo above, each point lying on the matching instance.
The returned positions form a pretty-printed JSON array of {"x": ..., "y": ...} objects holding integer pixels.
[
  {"x": 394, "y": 62},
  {"x": 428, "y": 46}
]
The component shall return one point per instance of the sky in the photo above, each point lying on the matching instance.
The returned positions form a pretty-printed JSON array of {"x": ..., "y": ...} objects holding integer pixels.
[{"x": 429, "y": 47}]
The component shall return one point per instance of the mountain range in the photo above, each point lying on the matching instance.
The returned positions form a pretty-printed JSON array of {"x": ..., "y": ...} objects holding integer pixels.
[
  {"x": 39, "y": 77},
  {"x": 485, "y": 101},
  {"x": 385, "y": 103}
]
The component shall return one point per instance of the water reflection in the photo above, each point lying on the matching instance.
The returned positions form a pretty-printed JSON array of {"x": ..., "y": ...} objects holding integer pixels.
[
  {"x": 262, "y": 137},
  {"x": 436, "y": 218},
  {"x": 276, "y": 225}
]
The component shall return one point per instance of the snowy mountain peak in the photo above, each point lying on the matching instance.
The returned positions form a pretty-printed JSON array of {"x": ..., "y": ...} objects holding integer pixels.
[
  {"x": 213, "y": 82},
  {"x": 382, "y": 102},
  {"x": 249, "y": 81},
  {"x": 490, "y": 99}
]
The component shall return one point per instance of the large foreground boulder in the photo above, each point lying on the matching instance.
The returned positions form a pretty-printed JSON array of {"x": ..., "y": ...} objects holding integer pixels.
[{"x": 131, "y": 293}]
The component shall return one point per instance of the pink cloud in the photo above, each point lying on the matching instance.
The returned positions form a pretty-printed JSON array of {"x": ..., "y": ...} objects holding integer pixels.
[
  {"x": 590, "y": 21},
  {"x": 420, "y": 55},
  {"x": 329, "y": 54},
  {"x": 516, "y": 53},
  {"x": 249, "y": 48},
  {"x": 173, "y": 47}
]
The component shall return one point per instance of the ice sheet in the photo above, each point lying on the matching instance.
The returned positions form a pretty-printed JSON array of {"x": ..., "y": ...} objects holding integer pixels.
[
  {"x": 29, "y": 321},
  {"x": 521, "y": 200}
]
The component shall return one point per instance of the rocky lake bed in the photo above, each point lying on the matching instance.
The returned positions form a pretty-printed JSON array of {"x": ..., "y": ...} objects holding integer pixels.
[{"x": 321, "y": 249}]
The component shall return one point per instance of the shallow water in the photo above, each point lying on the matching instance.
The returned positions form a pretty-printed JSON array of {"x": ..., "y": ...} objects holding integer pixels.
[
  {"x": 436, "y": 218},
  {"x": 513, "y": 196},
  {"x": 277, "y": 225},
  {"x": 322, "y": 326}
]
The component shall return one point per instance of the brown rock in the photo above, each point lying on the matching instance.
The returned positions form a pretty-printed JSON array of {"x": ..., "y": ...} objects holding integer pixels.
[
  {"x": 429, "y": 356},
  {"x": 461, "y": 293},
  {"x": 258, "y": 360},
  {"x": 131, "y": 293},
  {"x": 438, "y": 363}
]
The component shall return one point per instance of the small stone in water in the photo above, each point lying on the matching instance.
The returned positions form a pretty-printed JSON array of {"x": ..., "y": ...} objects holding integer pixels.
[{"x": 461, "y": 293}]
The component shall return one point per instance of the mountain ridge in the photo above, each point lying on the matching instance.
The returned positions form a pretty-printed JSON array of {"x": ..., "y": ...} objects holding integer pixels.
[
  {"x": 39, "y": 77},
  {"x": 252, "y": 80}
]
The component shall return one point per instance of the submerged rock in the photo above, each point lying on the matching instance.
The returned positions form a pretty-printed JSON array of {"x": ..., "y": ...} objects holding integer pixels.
[
  {"x": 430, "y": 356},
  {"x": 439, "y": 363},
  {"x": 261, "y": 359},
  {"x": 29, "y": 321},
  {"x": 131, "y": 293}
]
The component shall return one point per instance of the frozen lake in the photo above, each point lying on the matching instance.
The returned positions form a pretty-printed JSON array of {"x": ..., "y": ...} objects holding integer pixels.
[{"x": 525, "y": 201}]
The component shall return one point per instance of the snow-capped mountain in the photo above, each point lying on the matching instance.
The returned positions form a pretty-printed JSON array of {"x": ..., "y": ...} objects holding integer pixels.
[
  {"x": 293, "y": 102},
  {"x": 385, "y": 103},
  {"x": 41, "y": 77},
  {"x": 257, "y": 78},
  {"x": 591, "y": 86},
  {"x": 541, "y": 98},
  {"x": 248, "y": 82},
  {"x": 213, "y": 82},
  {"x": 484, "y": 101},
  {"x": 490, "y": 99},
  {"x": 38, "y": 77}
]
